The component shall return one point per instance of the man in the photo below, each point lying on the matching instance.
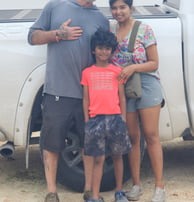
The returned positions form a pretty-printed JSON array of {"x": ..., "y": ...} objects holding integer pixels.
[{"x": 66, "y": 26}]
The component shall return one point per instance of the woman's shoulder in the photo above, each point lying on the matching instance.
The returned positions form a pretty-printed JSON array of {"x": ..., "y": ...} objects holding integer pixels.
[
  {"x": 145, "y": 27},
  {"x": 146, "y": 34}
]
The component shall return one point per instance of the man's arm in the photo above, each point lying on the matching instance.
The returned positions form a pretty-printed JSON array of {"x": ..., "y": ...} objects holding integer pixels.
[
  {"x": 65, "y": 32},
  {"x": 42, "y": 37}
]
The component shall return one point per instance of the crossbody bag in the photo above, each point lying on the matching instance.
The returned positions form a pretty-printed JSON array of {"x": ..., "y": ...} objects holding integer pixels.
[{"x": 133, "y": 87}]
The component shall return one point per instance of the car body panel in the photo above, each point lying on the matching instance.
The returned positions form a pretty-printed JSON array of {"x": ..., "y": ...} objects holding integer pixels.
[{"x": 21, "y": 63}]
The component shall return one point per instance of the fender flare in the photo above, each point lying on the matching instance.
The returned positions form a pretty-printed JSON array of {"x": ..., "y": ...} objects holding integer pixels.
[{"x": 26, "y": 100}]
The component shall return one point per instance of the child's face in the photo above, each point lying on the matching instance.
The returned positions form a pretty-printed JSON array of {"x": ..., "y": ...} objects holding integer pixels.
[{"x": 102, "y": 53}]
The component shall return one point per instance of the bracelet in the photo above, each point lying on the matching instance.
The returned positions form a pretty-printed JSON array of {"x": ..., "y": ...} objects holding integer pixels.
[{"x": 57, "y": 37}]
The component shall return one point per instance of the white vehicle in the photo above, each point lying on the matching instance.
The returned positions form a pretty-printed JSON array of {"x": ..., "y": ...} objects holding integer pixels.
[{"x": 22, "y": 69}]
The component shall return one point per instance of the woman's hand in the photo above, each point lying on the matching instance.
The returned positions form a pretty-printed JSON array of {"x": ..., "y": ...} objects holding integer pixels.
[{"x": 126, "y": 72}]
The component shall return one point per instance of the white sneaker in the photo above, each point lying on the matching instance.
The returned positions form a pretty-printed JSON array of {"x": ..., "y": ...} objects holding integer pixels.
[
  {"x": 134, "y": 193},
  {"x": 159, "y": 195}
]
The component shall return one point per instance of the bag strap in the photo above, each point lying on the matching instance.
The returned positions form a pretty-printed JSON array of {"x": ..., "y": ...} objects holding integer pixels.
[{"x": 133, "y": 36}]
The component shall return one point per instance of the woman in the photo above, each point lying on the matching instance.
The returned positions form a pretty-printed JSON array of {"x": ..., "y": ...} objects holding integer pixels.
[{"x": 146, "y": 108}]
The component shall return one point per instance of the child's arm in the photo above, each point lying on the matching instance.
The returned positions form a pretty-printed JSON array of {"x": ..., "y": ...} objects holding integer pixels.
[
  {"x": 122, "y": 101},
  {"x": 86, "y": 103}
]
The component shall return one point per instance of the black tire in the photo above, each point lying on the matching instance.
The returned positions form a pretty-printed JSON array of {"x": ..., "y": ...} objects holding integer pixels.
[
  {"x": 71, "y": 172},
  {"x": 70, "y": 169},
  {"x": 187, "y": 135}
]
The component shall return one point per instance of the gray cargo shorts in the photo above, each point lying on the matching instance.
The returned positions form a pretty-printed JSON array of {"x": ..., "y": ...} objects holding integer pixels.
[{"x": 59, "y": 114}]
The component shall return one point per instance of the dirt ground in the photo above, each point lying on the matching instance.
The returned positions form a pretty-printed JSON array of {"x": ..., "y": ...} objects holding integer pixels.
[{"x": 19, "y": 185}]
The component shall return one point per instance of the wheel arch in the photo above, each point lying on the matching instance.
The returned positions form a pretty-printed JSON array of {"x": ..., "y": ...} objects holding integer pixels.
[{"x": 27, "y": 103}]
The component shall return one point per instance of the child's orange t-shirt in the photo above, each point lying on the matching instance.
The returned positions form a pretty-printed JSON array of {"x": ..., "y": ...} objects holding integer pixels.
[{"x": 103, "y": 89}]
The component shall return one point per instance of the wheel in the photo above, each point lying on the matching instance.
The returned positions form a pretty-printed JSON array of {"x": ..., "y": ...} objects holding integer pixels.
[
  {"x": 70, "y": 168},
  {"x": 187, "y": 135},
  {"x": 71, "y": 171}
]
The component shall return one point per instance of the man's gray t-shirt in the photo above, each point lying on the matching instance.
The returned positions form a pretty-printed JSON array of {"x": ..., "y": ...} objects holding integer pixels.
[{"x": 67, "y": 59}]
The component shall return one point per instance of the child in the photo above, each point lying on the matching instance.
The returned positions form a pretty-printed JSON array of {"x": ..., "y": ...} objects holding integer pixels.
[{"x": 105, "y": 114}]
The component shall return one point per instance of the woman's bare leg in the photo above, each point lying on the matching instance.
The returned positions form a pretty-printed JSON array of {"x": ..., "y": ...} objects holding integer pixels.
[
  {"x": 150, "y": 123},
  {"x": 134, "y": 155}
]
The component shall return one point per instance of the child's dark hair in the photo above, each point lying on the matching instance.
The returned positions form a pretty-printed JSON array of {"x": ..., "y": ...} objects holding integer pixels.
[
  {"x": 103, "y": 38},
  {"x": 128, "y": 2}
]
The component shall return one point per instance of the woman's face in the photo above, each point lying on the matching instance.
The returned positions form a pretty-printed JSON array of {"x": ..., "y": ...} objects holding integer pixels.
[{"x": 120, "y": 11}]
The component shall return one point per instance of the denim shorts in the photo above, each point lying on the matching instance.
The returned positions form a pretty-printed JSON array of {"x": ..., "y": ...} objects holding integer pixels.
[
  {"x": 151, "y": 94},
  {"x": 59, "y": 114},
  {"x": 106, "y": 135}
]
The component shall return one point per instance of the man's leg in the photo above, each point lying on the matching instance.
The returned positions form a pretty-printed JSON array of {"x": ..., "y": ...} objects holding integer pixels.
[
  {"x": 50, "y": 167},
  {"x": 57, "y": 116}
]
